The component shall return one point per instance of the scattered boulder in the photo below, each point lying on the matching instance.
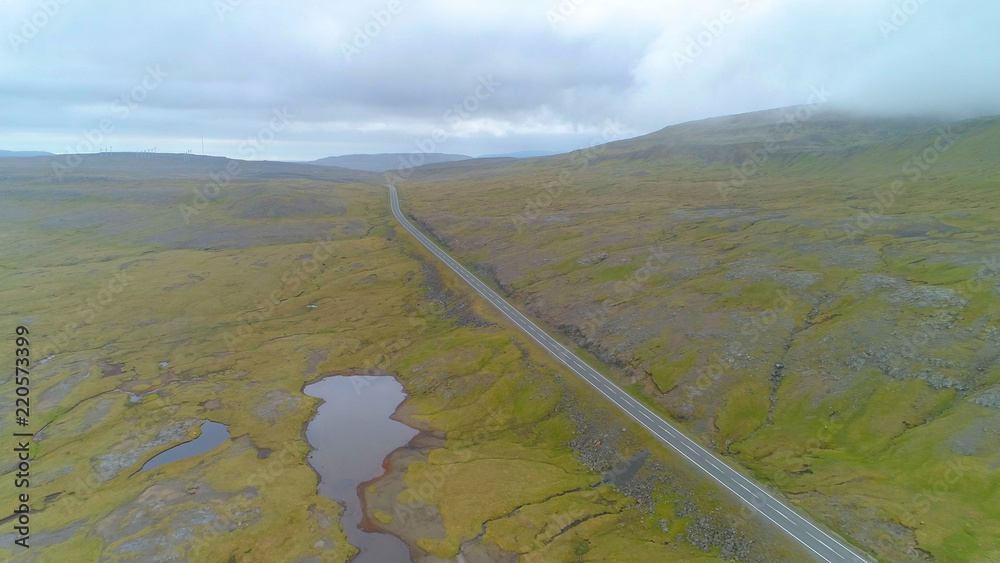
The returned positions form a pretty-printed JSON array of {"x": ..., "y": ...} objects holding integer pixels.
[
  {"x": 591, "y": 260},
  {"x": 927, "y": 297},
  {"x": 872, "y": 282},
  {"x": 705, "y": 532},
  {"x": 989, "y": 399}
]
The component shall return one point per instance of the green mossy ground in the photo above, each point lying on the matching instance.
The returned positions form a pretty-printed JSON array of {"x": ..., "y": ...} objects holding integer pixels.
[
  {"x": 872, "y": 424},
  {"x": 227, "y": 318}
]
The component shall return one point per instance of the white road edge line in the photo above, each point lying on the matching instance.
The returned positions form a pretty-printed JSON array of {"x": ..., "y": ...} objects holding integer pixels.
[{"x": 512, "y": 314}]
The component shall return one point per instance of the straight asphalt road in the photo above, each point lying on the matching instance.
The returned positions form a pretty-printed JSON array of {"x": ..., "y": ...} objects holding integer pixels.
[{"x": 822, "y": 544}]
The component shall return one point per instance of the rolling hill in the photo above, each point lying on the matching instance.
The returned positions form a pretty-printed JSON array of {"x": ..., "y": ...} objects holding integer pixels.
[
  {"x": 22, "y": 154},
  {"x": 816, "y": 298},
  {"x": 389, "y": 161}
]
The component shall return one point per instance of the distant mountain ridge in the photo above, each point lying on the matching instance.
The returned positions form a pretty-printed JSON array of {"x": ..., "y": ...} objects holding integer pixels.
[
  {"x": 520, "y": 154},
  {"x": 388, "y": 161},
  {"x": 97, "y": 168},
  {"x": 23, "y": 154}
]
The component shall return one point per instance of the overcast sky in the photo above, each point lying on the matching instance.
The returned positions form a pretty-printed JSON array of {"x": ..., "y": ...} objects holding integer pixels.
[{"x": 364, "y": 76}]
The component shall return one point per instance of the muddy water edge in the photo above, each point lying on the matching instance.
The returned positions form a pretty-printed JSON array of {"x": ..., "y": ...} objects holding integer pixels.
[{"x": 351, "y": 435}]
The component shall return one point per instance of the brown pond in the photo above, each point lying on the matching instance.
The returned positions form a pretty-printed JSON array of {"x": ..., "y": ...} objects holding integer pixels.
[{"x": 351, "y": 435}]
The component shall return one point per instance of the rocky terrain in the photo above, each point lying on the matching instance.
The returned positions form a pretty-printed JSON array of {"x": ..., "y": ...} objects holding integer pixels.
[
  {"x": 825, "y": 312},
  {"x": 152, "y": 311}
]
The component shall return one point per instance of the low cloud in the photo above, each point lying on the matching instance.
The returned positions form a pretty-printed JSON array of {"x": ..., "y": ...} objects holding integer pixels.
[{"x": 378, "y": 76}]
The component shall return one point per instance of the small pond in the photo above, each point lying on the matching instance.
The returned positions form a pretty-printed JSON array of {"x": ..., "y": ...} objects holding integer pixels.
[
  {"x": 351, "y": 436},
  {"x": 212, "y": 434}
]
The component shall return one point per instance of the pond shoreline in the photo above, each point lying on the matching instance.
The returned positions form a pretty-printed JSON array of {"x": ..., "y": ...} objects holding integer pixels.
[{"x": 366, "y": 523}]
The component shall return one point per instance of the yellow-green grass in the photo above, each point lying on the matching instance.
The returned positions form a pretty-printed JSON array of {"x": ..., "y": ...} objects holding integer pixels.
[
  {"x": 699, "y": 336},
  {"x": 231, "y": 319}
]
